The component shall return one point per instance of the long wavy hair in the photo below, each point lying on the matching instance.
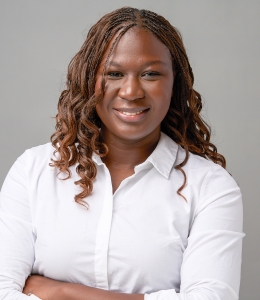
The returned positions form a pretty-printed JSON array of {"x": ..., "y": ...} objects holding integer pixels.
[{"x": 77, "y": 124}]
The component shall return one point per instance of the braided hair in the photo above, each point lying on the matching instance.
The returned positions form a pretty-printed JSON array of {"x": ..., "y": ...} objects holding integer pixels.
[{"x": 77, "y": 125}]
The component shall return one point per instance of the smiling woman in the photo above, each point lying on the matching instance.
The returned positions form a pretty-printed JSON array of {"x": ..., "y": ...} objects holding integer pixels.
[
  {"x": 160, "y": 218},
  {"x": 139, "y": 81}
]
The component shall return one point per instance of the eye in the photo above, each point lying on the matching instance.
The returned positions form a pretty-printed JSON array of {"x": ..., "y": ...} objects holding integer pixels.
[
  {"x": 114, "y": 74},
  {"x": 151, "y": 74}
]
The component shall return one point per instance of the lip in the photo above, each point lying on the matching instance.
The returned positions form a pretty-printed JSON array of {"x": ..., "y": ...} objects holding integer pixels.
[{"x": 131, "y": 114}]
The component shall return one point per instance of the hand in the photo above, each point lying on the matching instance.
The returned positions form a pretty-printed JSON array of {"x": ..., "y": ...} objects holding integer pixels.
[{"x": 42, "y": 287}]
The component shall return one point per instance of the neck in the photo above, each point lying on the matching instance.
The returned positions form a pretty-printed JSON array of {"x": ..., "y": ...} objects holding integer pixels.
[{"x": 128, "y": 153}]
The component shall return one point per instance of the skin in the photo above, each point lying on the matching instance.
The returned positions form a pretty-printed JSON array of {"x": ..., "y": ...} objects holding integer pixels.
[
  {"x": 139, "y": 82},
  {"x": 139, "y": 78}
]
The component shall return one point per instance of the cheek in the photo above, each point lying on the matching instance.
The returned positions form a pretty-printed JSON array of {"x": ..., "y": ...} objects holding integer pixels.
[
  {"x": 164, "y": 109},
  {"x": 164, "y": 88},
  {"x": 162, "y": 95},
  {"x": 163, "y": 101}
]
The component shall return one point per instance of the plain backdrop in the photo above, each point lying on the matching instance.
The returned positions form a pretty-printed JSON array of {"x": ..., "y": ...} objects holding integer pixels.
[{"x": 222, "y": 38}]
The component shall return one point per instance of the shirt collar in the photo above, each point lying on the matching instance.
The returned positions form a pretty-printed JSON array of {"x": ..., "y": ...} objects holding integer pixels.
[
  {"x": 162, "y": 158},
  {"x": 96, "y": 158},
  {"x": 164, "y": 155}
]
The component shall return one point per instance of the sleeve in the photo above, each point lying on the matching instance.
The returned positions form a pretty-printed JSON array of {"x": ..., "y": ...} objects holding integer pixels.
[
  {"x": 16, "y": 233},
  {"x": 212, "y": 260}
]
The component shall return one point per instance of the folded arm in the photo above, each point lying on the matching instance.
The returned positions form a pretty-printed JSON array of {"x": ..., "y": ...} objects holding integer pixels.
[{"x": 49, "y": 289}]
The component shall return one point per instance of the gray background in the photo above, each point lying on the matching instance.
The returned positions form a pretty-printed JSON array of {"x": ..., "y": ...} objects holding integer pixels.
[{"x": 222, "y": 38}]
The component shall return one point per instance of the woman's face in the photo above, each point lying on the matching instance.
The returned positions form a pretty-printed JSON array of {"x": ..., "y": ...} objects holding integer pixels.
[{"x": 139, "y": 83}]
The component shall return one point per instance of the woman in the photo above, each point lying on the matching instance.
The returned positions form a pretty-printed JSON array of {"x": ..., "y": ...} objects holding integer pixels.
[{"x": 155, "y": 214}]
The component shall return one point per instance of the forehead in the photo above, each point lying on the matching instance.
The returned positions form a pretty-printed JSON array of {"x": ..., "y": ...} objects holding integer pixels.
[{"x": 138, "y": 44}]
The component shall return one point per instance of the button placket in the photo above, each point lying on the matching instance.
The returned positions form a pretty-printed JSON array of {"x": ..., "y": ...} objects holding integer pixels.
[{"x": 102, "y": 237}]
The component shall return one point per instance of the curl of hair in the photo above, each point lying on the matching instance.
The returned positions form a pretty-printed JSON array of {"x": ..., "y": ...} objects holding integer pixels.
[{"x": 77, "y": 124}]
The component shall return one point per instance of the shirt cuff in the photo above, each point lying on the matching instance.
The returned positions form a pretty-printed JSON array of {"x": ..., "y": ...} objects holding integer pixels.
[
  {"x": 162, "y": 295},
  {"x": 33, "y": 297}
]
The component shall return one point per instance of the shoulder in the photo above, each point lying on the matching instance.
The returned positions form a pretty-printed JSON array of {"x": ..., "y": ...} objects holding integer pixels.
[
  {"x": 204, "y": 176},
  {"x": 36, "y": 157},
  {"x": 196, "y": 166},
  {"x": 41, "y": 150},
  {"x": 31, "y": 164},
  {"x": 215, "y": 186},
  {"x": 194, "y": 161},
  {"x": 201, "y": 166}
]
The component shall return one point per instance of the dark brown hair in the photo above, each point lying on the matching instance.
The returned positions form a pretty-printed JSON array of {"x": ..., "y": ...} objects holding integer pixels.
[{"x": 77, "y": 124}]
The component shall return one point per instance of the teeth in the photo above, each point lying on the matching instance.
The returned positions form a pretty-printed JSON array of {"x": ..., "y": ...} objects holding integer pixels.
[{"x": 131, "y": 114}]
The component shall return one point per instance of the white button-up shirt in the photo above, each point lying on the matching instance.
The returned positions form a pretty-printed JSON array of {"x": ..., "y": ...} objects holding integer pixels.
[{"x": 144, "y": 238}]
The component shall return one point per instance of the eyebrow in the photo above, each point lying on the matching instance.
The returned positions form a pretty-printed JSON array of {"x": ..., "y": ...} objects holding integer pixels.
[{"x": 147, "y": 64}]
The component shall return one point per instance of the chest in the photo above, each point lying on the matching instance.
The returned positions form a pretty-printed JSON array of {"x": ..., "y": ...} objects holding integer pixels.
[{"x": 125, "y": 241}]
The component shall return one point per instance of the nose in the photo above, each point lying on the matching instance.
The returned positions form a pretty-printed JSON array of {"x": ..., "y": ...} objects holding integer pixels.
[{"x": 131, "y": 88}]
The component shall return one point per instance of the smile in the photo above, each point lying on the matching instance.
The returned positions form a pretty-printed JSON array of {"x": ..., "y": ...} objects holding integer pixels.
[{"x": 132, "y": 113}]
